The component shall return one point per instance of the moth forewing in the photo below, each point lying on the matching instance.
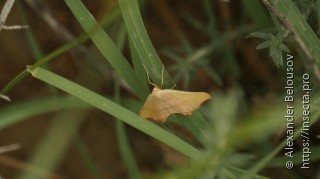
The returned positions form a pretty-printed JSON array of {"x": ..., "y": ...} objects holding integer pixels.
[{"x": 160, "y": 104}]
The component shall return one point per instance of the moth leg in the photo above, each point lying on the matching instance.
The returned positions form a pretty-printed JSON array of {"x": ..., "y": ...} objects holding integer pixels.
[{"x": 154, "y": 85}]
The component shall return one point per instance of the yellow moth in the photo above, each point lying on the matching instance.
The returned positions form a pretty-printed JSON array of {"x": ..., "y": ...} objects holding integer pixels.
[{"x": 160, "y": 104}]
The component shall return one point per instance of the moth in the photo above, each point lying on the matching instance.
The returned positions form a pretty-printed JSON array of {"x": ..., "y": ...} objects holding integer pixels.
[{"x": 162, "y": 103}]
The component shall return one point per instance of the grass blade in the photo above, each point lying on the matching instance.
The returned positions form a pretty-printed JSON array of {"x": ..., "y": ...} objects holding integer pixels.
[
  {"x": 116, "y": 110},
  {"x": 149, "y": 57},
  {"x": 15, "y": 113},
  {"x": 142, "y": 43},
  {"x": 107, "y": 47}
]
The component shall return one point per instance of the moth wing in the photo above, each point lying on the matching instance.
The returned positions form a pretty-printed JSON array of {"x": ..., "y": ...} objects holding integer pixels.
[
  {"x": 183, "y": 102},
  {"x": 160, "y": 104},
  {"x": 154, "y": 108}
]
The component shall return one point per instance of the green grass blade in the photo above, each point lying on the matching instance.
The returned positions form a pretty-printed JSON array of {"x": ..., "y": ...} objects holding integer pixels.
[
  {"x": 32, "y": 42},
  {"x": 318, "y": 11},
  {"x": 106, "y": 46},
  {"x": 142, "y": 43},
  {"x": 126, "y": 151},
  {"x": 296, "y": 22},
  {"x": 116, "y": 110},
  {"x": 149, "y": 57},
  {"x": 18, "y": 112},
  {"x": 53, "y": 146},
  {"x": 87, "y": 157},
  {"x": 44, "y": 60},
  {"x": 123, "y": 142},
  {"x": 258, "y": 13},
  {"x": 14, "y": 82},
  {"x": 138, "y": 68}
]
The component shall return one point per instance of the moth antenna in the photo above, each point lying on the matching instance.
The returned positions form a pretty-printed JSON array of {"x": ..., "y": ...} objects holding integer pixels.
[
  {"x": 162, "y": 75},
  {"x": 154, "y": 85}
]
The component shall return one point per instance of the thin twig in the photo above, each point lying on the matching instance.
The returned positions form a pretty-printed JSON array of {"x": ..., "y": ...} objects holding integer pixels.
[
  {"x": 6, "y": 10},
  {"x": 9, "y": 148},
  {"x": 4, "y": 14},
  {"x": 5, "y": 97},
  {"x": 287, "y": 24}
]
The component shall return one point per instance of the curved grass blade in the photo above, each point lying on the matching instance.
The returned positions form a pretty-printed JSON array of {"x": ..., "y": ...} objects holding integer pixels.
[{"x": 106, "y": 46}]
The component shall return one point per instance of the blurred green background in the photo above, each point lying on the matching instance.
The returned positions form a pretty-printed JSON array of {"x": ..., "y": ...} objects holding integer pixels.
[{"x": 234, "y": 50}]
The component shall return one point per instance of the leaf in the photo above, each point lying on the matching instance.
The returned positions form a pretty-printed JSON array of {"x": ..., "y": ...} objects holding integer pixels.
[{"x": 263, "y": 45}]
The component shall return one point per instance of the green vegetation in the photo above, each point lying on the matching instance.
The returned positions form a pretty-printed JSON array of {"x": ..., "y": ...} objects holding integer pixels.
[{"x": 235, "y": 135}]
